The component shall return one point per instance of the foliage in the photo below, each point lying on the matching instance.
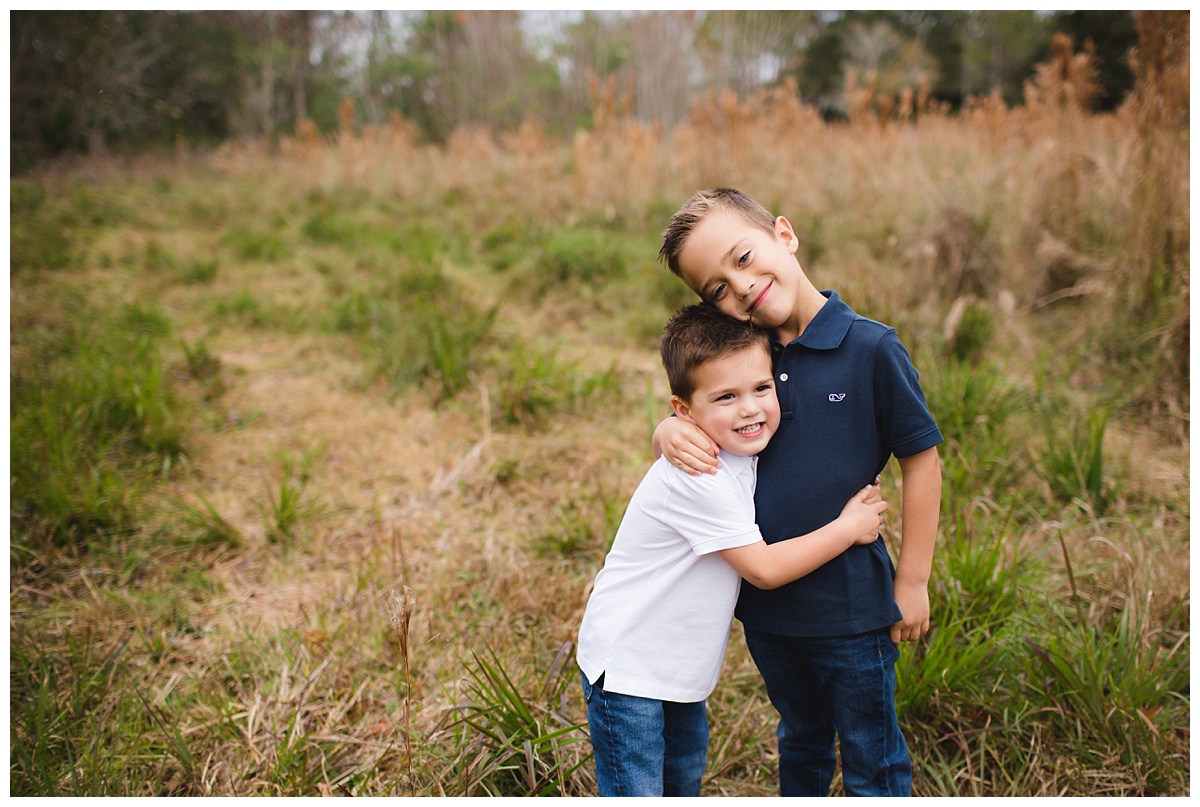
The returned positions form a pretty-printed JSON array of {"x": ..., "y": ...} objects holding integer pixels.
[
  {"x": 286, "y": 508},
  {"x": 98, "y": 79},
  {"x": 94, "y": 414},
  {"x": 580, "y": 255},
  {"x": 1122, "y": 680},
  {"x": 1114, "y": 33},
  {"x": 974, "y": 406},
  {"x": 1072, "y": 461},
  {"x": 206, "y": 526},
  {"x": 522, "y": 744},
  {"x": 536, "y": 385},
  {"x": 417, "y": 326},
  {"x": 81, "y": 724}
]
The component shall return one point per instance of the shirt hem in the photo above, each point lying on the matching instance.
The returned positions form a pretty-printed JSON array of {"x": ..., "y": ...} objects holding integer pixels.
[{"x": 823, "y": 631}]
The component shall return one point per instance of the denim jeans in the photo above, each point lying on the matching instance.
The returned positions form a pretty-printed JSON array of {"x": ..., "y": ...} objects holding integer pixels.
[
  {"x": 646, "y": 747},
  {"x": 827, "y": 686}
]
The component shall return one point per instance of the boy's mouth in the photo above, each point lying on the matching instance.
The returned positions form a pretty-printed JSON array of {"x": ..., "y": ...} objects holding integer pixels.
[
  {"x": 753, "y": 430},
  {"x": 758, "y": 300}
]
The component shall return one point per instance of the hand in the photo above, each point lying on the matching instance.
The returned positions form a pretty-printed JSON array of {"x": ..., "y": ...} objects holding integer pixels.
[
  {"x": 686, "y": 446},
  {"x": 876, "y": 492},
  {"x": 913, "y": 601},
  {"x": 864, "y": 513}
]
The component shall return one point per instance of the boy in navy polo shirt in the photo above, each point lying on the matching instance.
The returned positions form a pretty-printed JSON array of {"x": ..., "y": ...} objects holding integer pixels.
[{"x": 850, "y": 399}]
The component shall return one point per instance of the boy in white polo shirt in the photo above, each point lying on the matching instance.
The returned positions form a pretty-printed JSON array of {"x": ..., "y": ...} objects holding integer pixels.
[{"x": 657, "y": 623}]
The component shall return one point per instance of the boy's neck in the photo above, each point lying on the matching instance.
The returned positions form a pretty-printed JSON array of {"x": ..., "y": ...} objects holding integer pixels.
[{"x": 810, "y": 302}]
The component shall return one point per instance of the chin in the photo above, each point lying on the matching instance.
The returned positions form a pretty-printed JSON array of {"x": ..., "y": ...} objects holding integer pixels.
[{"x": 747, "y": 450}]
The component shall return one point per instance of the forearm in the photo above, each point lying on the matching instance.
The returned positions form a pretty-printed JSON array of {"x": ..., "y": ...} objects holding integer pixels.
[
  {"x": 921, "y": 504},
  {"x": 769, "y": 566}
]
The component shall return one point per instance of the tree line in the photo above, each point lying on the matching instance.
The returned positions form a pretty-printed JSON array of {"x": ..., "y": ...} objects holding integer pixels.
[{"x": 97, "y": 81}]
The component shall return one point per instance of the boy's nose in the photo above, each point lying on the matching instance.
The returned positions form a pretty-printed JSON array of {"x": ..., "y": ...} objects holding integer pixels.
[{"x": 743, "y": 287}]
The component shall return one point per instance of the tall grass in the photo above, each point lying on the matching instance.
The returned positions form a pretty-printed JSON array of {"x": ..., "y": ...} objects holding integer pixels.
[{"x": 469, "y": 334}]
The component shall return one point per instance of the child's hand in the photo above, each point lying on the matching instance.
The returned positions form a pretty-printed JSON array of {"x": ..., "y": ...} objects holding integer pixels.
[
  {"x": 876, "y": 492},
  {"x": 686, "y": 446},
  {"x": 864, "y": 513},
  {"x": 913, "y": 602}
]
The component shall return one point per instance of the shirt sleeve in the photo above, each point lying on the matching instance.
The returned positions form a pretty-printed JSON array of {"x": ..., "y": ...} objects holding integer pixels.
[
  {"x": 710, "y": 511},
  {"x": 901, "y": 411}
]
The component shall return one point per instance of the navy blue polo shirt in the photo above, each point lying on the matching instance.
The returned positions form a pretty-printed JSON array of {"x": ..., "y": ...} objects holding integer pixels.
[{"x": 849, "y": 399}]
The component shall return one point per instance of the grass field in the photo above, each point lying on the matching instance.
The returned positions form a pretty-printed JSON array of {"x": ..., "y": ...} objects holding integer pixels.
[{"x": 316, "y": 446}]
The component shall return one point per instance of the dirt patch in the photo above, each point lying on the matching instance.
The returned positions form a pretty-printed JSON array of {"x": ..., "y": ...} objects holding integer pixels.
[{"x": 376, "y": 465}]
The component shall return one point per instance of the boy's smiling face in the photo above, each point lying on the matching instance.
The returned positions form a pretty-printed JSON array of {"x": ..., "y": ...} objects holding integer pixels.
[
  {"x": 745, "y": 271},
  {"x": 734, "y": 401}
]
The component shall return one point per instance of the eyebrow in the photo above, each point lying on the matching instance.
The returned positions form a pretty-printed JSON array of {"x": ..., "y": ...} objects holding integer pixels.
[{"x": 768, "y": 380}]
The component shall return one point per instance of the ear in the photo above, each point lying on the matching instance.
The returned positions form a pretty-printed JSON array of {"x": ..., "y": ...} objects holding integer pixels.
[
  {"x": 785, "y": 233},
  {"x": 681, "y": 408}
]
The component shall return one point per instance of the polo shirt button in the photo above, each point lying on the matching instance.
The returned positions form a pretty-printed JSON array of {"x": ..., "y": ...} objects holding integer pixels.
[{"x": 783, "y": 376}]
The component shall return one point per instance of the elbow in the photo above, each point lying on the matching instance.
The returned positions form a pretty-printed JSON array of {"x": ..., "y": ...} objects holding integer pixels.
[{"x": 764, "y": 581}]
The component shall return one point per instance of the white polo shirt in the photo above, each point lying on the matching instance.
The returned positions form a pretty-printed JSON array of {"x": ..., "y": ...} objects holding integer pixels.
[{"x": 658, "y": 619}]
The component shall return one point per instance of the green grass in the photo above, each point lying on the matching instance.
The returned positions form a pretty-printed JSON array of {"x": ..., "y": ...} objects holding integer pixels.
[
  {"x": 203, "y": 525},
  {"x": 536, "y": 385},
  {"x": 95, "y": 416},
  {"x": 515, "y": 742},
  {"x": 977, "y": 407},
  {"x": 83, "y": 724},
  {"x": 1072, "y": 461},
  {"x": 287, "y": 507},
  {"x": 417, "y": 326}
]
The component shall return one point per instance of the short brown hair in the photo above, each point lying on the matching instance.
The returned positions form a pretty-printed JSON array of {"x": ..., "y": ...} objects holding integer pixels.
[
  {"x": 696, "y": 209},
  {"x": 700, "y": 333}
]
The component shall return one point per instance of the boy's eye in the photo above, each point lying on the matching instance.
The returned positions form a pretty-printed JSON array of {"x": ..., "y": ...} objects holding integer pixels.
[
  {"x": 742, "y": 260},
  {"x": 765, "y": 388}
]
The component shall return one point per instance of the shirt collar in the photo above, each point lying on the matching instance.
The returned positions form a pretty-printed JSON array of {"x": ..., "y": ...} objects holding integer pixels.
[
  {"x": 737, "y": 463},
  {"x": 828, "y": 328}
]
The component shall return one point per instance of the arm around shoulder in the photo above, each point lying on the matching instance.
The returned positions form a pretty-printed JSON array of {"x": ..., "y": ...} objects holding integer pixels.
[{"x": 685, "y": 446}]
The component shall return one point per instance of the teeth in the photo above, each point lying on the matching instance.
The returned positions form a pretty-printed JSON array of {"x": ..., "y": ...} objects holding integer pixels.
[{"x": 748, "y": 429}]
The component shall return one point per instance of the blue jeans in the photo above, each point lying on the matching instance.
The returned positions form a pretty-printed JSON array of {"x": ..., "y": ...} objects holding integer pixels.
[
  {"x": 827, "y": 686},
  {"x": 646, "y": 747}
]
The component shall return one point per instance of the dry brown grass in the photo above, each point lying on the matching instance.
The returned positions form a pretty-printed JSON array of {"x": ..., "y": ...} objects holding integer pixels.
[{"x": 1047, "y": 170}]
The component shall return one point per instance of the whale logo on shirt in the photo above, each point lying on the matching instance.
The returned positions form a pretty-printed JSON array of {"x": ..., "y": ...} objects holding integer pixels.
[{"x": 836, "y": 396}]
